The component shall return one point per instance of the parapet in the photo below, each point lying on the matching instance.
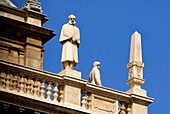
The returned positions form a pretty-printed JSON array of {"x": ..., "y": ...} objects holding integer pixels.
[{"x": 25, "y": 86}]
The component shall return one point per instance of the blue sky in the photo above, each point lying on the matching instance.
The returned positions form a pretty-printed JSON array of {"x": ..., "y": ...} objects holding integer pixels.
[{"x": 106, "y": 27}]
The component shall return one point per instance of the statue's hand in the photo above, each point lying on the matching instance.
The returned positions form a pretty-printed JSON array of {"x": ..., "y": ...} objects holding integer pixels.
[{"x": 74, "y": 40}]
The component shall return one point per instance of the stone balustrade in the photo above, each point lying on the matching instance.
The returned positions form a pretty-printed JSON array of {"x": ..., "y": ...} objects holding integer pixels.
[
  {"x": 102, "y": 100},
  {"x": 31, "y": 86},
  {"x": 55, "y": 89}
]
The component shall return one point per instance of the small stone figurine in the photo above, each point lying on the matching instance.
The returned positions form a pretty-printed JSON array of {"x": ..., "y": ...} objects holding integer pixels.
[{"x": 94, "y": 77}]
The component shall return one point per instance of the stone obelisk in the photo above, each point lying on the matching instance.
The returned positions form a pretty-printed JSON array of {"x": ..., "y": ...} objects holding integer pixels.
[{"x": 135, "y": 66}]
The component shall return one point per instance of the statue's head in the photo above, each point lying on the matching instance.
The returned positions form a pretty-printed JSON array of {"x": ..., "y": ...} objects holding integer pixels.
[
  {"x": 72, "y": 19},
  {"x": 96, "y": 64}
]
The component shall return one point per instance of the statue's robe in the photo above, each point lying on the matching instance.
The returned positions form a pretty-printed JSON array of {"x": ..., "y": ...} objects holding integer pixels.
[
  {"x": 69, "y": 51},
  {"x": 94, "y": 76}
]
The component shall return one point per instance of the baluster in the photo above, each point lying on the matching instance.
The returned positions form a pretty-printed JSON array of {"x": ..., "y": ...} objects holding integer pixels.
[
  {"x": 128, "y": 109},
  {"x": 11, "y": 81},
  {"x": 122, "y": 108},
  {"x": 42, "y": 89},
  {"x": 48, "y": 94},
  {"x": 61, "y": 94},
  {"x": 21, "y": 110},
  {"x": 39, "y": 85},
  {"x": 4, "y": 82},
  {"x": 35, "y": 88},
  {"x": 21, "y": 83},
  {"x": 6, "y": 106},
  {"x": 15, "y": 81},
  {"x": 83, "y": 103},
  {"x": 25, "y": 84},
  {"x": 55, "y": 92},
  {"x": 2, "y": 78},
  {"x": 28, "y": 85},
  {"x": 89, "y": 101},
  {"x": 7, "y": 78},
  {"x": 37, "y": 112}
]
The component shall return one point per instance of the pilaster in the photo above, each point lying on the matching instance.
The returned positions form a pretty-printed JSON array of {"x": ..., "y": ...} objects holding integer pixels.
[{"x": 33, "y": 52}]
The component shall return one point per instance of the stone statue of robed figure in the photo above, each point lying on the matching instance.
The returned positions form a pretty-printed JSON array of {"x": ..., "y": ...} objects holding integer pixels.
[
  {"x": 70, "y": 39},
  {"x": 94, "y": 77}
]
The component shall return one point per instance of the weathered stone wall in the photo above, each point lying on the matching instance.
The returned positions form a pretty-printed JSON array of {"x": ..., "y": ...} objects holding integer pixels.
[{"x": 22, "y": 36}]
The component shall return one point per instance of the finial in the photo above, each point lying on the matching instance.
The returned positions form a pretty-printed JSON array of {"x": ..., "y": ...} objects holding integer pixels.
[
  {"x": 136, "y": 32},
  {"x": 135, "y": 66},
  {"x": 135, "y": 49},
  {"x": 32, "y": 5}
]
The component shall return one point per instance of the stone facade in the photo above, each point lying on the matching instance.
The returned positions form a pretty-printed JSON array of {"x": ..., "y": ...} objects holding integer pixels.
[
  {"x": 24, "y": 44},
  {"x": 26, "y": 88}
]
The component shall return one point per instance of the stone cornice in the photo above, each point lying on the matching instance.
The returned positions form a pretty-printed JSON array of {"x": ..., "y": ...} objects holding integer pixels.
[
  {"x": 141, "y": 99},
  {"x": 11, "y": 41},
  {"x": 28, "y": 29},
  {"x": 22, "y": 13}
]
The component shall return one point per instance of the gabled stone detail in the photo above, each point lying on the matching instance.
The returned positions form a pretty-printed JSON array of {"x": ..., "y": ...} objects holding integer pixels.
[
  {"x": 7, "y": 3},
  {"x": 32, "y": 5}
]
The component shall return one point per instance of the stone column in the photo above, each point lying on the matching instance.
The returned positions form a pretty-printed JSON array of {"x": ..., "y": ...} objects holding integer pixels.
[{"x": 135, "y": 78}]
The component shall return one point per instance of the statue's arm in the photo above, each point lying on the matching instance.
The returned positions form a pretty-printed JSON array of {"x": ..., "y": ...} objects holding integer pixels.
[
  {"x": 65, "y": 34},
  {"x": 90, "y": 78},
  {"x": 97, "y": 77},
  {"x": 76, "y": 38}
]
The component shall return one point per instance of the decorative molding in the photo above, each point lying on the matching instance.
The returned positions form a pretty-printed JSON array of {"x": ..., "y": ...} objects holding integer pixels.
[
  {"x": 135, "y": 69},
  {"x": 32, "y": 5},
  {"x": 135, "y": 63},
  {"x": 135, "y": 81},
  {"x": 7, "y": 3}
]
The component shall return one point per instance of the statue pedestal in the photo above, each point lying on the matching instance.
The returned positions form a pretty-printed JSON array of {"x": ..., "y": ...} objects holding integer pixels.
[
  {"x": 72, "y": 90},
  {"x": 70, "y": 72},
  {"x": 135, "y": 84},
  {"x": 136, "y": 91}
]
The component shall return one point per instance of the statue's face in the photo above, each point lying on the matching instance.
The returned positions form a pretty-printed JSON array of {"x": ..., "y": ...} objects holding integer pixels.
[
  {"x": 72, "y": 21},
  {"x": 98, "y": 66}
]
